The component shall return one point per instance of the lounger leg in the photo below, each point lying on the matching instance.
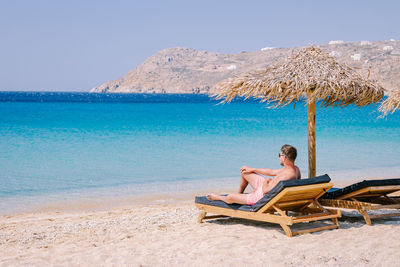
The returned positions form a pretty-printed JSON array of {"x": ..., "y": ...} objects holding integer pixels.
[
  {"x": 366, "y": 216},
  {"x": 202, "y": 215},
  {"x": 287, "y": 230},
  {"x": 335, "y": 221}
]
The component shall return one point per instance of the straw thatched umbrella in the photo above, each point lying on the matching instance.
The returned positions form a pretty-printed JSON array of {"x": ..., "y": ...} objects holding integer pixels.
[
  {"x": 391, "y": 103},
  {"x": 310, "y": 74}
]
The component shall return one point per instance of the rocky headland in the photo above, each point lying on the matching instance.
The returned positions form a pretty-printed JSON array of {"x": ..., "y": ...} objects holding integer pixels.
[{"x": 184, "y": 70}]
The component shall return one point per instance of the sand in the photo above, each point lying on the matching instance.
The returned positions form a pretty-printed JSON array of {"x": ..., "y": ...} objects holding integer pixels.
[{"x": 168, "y": 235}]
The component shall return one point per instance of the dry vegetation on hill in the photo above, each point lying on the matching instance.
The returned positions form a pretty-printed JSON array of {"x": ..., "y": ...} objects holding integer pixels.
[{"x": 183, "y": 70}]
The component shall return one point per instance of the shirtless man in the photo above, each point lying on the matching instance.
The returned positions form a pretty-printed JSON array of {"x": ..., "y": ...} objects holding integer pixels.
[{"x": 262, "y": 185}]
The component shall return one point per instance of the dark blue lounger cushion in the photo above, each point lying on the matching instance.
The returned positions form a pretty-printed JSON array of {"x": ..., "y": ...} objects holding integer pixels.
[
  {"x": 270, "y": 195},
  {"x": 337, "y": 192}
]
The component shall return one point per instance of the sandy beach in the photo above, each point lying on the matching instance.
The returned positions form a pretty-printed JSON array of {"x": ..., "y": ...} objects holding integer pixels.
[
  {"x": 168, "y": 235},
  {"x": 127, "y": 128}
]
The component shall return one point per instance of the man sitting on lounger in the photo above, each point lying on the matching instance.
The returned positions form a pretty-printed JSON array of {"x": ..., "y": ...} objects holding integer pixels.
[{"x": 262, "y": 185}]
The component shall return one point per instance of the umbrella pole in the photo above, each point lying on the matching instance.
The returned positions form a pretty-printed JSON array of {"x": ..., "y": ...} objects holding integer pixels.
[{"x": 311, "y": 139}]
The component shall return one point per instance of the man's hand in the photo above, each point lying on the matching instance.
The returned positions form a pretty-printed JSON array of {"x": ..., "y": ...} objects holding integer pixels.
[{"x": 246, "y": 170}]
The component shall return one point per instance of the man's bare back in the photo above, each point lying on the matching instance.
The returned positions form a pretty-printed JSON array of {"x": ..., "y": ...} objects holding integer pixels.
[{"x": 282, "y": 175}]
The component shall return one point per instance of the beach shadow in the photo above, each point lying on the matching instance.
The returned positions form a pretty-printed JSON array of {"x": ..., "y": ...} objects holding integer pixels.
[
  {"x": 349, "y": 219},
  {"x": 270, "y": 226},
  {"x": 232, "y": 221},
  {"x": 353, "y": 219}
]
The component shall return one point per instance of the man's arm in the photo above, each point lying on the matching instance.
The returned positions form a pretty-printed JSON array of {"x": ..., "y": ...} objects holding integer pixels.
[{"x": 268, "y": 172}]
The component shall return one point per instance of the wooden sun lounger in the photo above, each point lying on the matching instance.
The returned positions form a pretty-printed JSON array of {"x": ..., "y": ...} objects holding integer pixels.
[
  {"x": 296, "y": 204},
  {"x": 368, "y": 198}
]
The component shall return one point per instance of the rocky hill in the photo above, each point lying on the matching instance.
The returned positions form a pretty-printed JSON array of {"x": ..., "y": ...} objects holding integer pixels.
[{"x": 184, "y": 70}]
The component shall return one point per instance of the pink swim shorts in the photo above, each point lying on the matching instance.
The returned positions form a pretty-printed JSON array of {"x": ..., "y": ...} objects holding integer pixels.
[{"x": 257, "y": 193}]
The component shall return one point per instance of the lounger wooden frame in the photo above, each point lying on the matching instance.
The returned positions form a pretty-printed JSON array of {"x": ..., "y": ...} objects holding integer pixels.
[
  {"x": 303, "y": 200},
  {"x": 368, "y": 199}
]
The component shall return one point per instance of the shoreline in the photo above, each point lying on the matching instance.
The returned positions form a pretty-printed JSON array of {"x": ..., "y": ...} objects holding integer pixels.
[
  {"x": 160, "y": 193},
  {"x": 108, "y": 198}
]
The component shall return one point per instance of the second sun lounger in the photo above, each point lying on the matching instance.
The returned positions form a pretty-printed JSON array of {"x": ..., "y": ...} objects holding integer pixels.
[
  {"x": 366, "y": 196},
  {"x": 288, "y": 203}
]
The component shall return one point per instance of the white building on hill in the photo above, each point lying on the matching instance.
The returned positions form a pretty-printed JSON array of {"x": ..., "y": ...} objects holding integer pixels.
[
  {"x": 387, "y": 48},
  {"x": 267, "y": 48},
  {"x": 356, "y": 57},
  {"x": 335, "y": 42},
  {"x": 335, "y": 54},
  {"x": 365, "y": 43}
]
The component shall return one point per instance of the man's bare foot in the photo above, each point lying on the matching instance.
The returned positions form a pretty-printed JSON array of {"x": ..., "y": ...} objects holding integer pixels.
[{"x": 213, "y": 197}]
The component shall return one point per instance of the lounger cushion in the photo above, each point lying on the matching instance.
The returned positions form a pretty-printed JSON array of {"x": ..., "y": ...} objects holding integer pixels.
[
  {"x": 270, "y": 195},
  {"x": 332, "y": 194},
  {"x": 221, "y": 204}
]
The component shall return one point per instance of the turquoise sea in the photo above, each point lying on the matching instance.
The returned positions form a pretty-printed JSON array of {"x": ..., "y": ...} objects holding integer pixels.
[{"x": 68, "y": 146}]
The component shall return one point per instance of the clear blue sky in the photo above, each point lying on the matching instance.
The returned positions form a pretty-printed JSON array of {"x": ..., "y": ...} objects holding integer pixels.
[{"x": 50, "y": 45}]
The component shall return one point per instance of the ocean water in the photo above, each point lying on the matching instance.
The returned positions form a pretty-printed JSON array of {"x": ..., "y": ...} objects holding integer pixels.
[{"x": 73, "y": 145}]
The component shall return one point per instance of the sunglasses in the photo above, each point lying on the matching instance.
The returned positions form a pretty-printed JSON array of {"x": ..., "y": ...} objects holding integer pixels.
[{"x": 279, "y": 155}]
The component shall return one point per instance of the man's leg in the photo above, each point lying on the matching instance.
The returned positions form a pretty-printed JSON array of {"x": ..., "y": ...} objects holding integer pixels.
[
  {"x": 248, "y": 178},
  {"x": 229, "y": 199}
]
